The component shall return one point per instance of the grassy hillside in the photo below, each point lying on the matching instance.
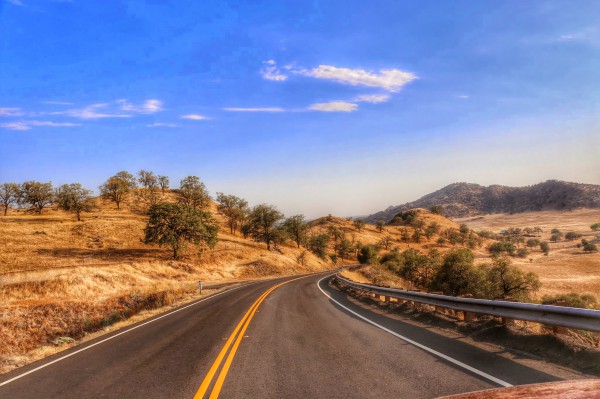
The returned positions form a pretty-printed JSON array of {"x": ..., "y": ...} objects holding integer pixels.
[{"x": 63, "y": 278}]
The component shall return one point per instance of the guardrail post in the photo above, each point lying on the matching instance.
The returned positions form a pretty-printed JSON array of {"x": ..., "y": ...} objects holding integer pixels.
[
  {"x": 468, "y": 316},
  {"x": 439, "y": 308},
  {"x": 560, "y": 329}
]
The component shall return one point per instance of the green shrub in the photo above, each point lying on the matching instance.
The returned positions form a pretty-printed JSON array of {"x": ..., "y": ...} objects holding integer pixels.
[
  {"x": 572, "y": 299},
  {"x": 368, "y": 255}
]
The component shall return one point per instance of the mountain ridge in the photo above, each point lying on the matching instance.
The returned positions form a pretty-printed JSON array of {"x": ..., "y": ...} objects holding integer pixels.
[{"x": 468, "y": 199}]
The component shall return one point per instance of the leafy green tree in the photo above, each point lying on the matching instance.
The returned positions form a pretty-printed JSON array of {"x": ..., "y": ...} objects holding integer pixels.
[
  {"x": 233, "y": 208},
  {"x": 380, "y": 225},
  {"x": 368, "y": 255},
  {"x": 149, "y": 184},
  {"x": 458, "y": 275},
  {"x": 344, "y": 248},
  {"x": 522, "y": 253},
  {"x": 533, "y": 242},
  {"x": 359, "y": 224},
  {"x": 588, "y": 246},
  {"x": 417, "y": 223},
  {"x": 317, "y": 244},
  {"x": 9, "y": 194},
  {"x": 555, "y": 237},
  {"x": 296, "y": 228},
  {"x": 595, "y": 227},
  {"x": 417, "y": 235},
  {"x": 335, "y": 233},
  {"x": 412, "y": 261},
  {"x": 570, "y": 236},
  {"x": 464, "y": 229},
  {"x": 38, "y": 195},
  {"x": 438, "y": 210},
  {"x": 500, "y": 247},
  {"x": 261, "y": 223},
  {"x": 405, "y": 234},
  {"x": 545, "y": 247},
  {"x": 118, "y": 187},
  {"x": 192, "y": 192},
  {"x": 163, "y": 182},
  {"x": 176, "y": 225},
  {"x": 432, "y": 229},
  {"x": 74, "y": 198},
  {"x": 147, "y": 179},
  {"x": 504, "y": 281}
]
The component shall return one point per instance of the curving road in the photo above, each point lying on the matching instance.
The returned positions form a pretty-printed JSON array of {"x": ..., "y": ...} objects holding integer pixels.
[{"x": 285, "y": 338}]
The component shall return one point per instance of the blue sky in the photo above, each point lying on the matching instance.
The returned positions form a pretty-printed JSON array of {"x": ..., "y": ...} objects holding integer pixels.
[{"x": 340, "y": 107}]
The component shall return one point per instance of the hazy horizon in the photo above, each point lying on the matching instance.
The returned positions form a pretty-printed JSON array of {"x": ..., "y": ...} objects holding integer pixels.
[{"x": 317, "y": 108}]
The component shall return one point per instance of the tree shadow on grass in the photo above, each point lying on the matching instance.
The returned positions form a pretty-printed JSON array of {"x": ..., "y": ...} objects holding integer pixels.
[{"x": 108, "y": 254}]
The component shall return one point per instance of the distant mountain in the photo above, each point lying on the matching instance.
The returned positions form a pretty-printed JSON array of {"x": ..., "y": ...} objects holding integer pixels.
[{"x": 466, "y": 199}]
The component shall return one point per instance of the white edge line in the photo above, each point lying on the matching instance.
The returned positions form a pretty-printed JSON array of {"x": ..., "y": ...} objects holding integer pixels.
[
  {"x": 421, "y": 346},
  {"x": 121, "y": 333}
]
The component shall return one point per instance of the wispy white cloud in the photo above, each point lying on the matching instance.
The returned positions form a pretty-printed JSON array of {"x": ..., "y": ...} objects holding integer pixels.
[
  {"x": 11, "y": 112},
  {"x": 260, "y": 109},
  {"x": 162, "y": 124},
  {"x": 15, "y": 2},
  {"x": 148, "y": 107},
  {"x": 194, "y": 117},
  {"x": 334, "y": 106},
  {"x": 121, "y": 108},
  {"x": 388, "y": 79},
  {"x": 27, "y": 125},
  {"x": 93, "y": 111},
  {"x": 270, "y": 71},
  {"x": 373, "y": 98},
  {"x": 463, "y": 96}
]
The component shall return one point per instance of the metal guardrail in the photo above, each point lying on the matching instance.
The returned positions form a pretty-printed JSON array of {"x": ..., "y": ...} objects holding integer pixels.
[{"x": 582, "y": 319}]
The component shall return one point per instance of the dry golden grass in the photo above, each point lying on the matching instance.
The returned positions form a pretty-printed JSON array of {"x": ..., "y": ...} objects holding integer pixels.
[
  {"x": 566, "y": 268},
  {"x": 60, "y": 277},
  {"x": 63, "y": 278}
]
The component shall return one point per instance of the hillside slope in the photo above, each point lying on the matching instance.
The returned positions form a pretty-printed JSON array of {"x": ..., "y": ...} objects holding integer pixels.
[{"x": 467, "y": 199}]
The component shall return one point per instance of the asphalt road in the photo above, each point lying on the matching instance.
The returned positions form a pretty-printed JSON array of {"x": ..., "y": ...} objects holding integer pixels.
[{"x": 295, "y": 342}]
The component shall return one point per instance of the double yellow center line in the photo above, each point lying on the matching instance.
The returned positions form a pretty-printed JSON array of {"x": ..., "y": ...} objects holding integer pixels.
[{"x": 236, "y": 336}]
